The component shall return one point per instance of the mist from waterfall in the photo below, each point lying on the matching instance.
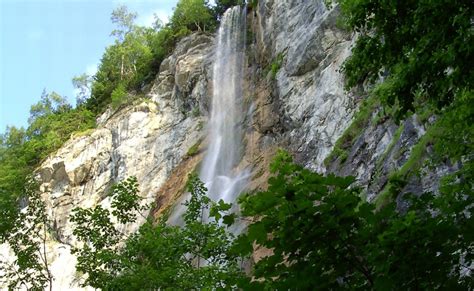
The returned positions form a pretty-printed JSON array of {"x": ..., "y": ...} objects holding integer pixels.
[{"x": 224, "y": 153}]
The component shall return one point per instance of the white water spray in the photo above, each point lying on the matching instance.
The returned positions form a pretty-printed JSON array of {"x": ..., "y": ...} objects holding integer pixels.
[{"x": 218, "y": 171}]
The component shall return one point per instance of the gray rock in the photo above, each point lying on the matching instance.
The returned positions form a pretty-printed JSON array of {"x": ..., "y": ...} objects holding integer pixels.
[
  {"x": 311, "y": 100},
  {"x": 146, "y": 140}
]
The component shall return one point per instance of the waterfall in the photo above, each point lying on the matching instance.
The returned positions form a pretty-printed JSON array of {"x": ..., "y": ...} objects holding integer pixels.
[
  {"x": 225, "y": 125},
  {"x": 218, "y": 172}
]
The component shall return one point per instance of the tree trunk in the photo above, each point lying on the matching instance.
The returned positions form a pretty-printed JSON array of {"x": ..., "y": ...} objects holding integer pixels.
[{"x": 121, "y": 69}]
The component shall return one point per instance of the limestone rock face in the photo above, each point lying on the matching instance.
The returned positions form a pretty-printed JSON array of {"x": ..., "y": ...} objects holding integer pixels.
[
  {"x": 301, "y": 105},
  {"x": 313, "y": 108},
  {"x": 147, "y": 140}
]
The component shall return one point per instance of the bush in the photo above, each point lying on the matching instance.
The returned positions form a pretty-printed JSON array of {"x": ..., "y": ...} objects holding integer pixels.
[
  {"x": 322, "y": 235},
  {"x": 118, "y": 96},
  {"x": 422, "y": 47},
  {"x": 192, "y": 15},
  {"x": 158, "y": 256}
]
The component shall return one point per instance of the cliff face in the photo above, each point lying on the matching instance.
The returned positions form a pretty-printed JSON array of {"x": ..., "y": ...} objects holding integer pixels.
[
  {"x": 147, "y": 139},
  {"x": 306, "y": 110},
  {"x": 301, "y": 106},
  {"x": 307, "y": 92}
]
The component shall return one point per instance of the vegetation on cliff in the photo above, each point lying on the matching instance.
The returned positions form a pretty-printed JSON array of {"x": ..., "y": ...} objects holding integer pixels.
[
  {"x": 416, "y": 57},
  {"x": 321, "y": 234},
  {"x": 52, "y": 121},
  {"x": 317, "y": 231},
  {"x": 158, "y": 256}
]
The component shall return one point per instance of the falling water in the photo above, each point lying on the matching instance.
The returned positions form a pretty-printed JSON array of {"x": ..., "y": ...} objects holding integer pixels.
[{"x": 219, "y": 171}]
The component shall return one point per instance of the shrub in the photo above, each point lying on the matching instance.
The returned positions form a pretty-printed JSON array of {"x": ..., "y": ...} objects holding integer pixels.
[{"x": 118, "y": 96}]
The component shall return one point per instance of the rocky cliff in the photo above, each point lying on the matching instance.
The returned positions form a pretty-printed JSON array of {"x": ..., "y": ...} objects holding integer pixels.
[
  {"x": 295, "y": 99},
  {"x": 304, "y": 108},
  {"x": 147, "y": 139}
]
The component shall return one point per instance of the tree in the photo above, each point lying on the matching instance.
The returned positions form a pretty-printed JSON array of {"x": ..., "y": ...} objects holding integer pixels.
[
  {"x": 135, "y": 57},
  {"x": 49, "y": 103},
  {"x": 191, "y": 15},
  {"x": 124, "y": 21},
  {"x": 131, "y": 45},
  {"x": 52, "y": 121},
  {"x": 158, "y": 256},
  {"x": 423, "y": 49},
  {"x": 118, "y": 96},
  {"x": 28, "y": 241},
  {"x": 82, "y": 85},
  {"x": 128, "y": 62},
  {"x": 322, "y": 235},
  {"x": 13, "y": 175}
]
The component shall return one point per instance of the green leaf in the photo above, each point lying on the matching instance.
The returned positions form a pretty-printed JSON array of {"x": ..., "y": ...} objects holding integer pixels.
[{"x": 229, "y": 219}]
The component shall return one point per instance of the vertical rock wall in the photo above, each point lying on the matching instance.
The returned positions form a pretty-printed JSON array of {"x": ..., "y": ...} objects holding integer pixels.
[
  {"x": 149, "y": 139},
  {"x": 301, "y": 105}
]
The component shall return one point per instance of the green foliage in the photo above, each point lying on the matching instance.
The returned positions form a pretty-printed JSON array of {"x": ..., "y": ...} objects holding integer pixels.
[
  {"x": 417, "y": 54},
  {"x": 29, "y": 267},
  {"x": 360, "y": 121},
  {"x": 194, "y": 149},
  {"x": 222, "y": 5},
  {"x": 276, "y": 65},
  {"x": 454, "y": 130},
  {"x": 82, "y": 85},
  {"x": 50, "y": 129},
  {"x": 323, "y": 236},
  {"x": 125, "y": 65},
  {"x": 51, "y": 123},
  {"x": 192, "y": 15},
  {"x": 49, "y": 103},
  {"x": 451, "y": 138},
  {"x": 135, "y": 57},
  {"x": 157, "y": 256},
  {"x": 124, "y": 21},
  {"x": 118, "y": 96},
  {"x": 162, "y": 44},
  {"x": 424, "y": 46},
  {"x": 253, "y": 4}
]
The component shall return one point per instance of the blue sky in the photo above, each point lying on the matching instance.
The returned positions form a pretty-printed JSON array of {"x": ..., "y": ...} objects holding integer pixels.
[{"x": 44, "y": 43}]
